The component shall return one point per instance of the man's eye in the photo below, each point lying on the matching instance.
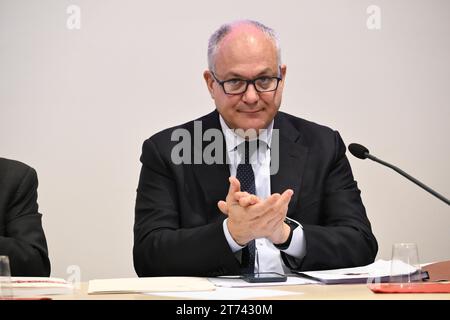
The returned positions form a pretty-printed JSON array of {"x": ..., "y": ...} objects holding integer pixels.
[
  {"x": 234, "y": 82},
  {"x": 264, "y": 80}
]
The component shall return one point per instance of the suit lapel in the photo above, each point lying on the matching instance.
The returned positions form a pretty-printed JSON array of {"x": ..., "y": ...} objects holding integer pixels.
[
  {"x": 292, "y": 159},
  {"x": 212, "y": 178}
]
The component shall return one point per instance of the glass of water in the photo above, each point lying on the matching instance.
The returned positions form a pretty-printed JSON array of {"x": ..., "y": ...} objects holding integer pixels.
[
  {"x": 5, "y": 278},
  {"x": 405, "y": 265}
]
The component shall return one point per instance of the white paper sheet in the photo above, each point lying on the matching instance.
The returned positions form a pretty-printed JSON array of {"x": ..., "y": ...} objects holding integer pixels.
[
  {"x": 239, "y": 283},
  {"x": 226, "y": 294},
  {"x": 379, "y": 269}
]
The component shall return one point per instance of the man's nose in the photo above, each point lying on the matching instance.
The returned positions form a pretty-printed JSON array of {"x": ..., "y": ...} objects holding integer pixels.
[{"x": 250, "y": 96}]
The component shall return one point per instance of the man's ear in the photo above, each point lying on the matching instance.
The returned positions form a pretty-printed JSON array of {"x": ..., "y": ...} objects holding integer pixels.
[
  {"x": 283, "y": 72},
  {"x": 209, "y": 82}
]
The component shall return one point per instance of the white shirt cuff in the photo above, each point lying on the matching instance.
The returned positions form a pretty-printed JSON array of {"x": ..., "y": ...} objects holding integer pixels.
[
  {"x": 234, "y": 246},
  {"x": 297, "y": 247}
]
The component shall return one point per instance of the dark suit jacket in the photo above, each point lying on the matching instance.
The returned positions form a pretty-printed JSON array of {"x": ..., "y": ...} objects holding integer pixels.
[
  {"x": 178, "y": 227},
  {"x": 21, "y": 234}
]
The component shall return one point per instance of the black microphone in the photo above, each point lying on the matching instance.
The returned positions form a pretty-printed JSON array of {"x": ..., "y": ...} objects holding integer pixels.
[{"x": 362, "y": 152}]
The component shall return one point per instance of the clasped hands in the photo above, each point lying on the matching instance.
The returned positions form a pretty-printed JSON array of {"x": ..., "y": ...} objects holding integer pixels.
[{"x": 250, "y": 217}]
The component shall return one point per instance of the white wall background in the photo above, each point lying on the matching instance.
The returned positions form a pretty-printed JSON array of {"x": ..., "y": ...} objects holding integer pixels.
[{"x": 77, "y": 105}]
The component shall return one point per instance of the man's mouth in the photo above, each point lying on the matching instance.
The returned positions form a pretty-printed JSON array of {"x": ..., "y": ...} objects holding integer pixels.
[{"x": 250, "y": 111}]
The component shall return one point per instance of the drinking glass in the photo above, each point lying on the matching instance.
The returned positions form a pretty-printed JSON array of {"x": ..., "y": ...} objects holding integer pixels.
[
  {"x": 5, "y": 278},
  {"x": 405, "y": 264}
]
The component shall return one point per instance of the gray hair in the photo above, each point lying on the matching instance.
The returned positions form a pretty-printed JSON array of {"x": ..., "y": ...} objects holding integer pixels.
[{"x": 219, "y": 34}]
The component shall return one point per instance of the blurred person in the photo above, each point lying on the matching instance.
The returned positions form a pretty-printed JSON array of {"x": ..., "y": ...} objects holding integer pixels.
[{"x": 22, "y": 238}]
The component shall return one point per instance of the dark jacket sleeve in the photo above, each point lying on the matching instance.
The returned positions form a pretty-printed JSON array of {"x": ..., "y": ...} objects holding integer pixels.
[
  {"x": 23, "y": 238},
  {"x": 164, "y": 244},
  {"x": 342, "y": 236}
]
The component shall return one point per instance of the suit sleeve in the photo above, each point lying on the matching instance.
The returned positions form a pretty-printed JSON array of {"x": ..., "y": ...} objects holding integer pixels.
[
  {"x": 24, "y": 241},
  {"x": 344, "y": 237},
  {"x": 161, "y": 245}
]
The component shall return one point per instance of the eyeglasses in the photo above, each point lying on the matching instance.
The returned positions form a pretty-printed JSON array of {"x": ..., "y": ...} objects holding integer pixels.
[{"x": 239, "y": 86}]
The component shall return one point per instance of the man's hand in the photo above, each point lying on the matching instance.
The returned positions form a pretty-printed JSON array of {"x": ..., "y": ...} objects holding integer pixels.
[
  {"x": 250, "y": 217},
  {"x": 238, "y": 220},
  {"x": 281, "y": 231},
  {"x": 244, "y": 199}
]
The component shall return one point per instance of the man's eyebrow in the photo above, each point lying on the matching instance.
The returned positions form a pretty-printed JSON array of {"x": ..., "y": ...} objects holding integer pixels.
[{"x": 236, "y": 75}]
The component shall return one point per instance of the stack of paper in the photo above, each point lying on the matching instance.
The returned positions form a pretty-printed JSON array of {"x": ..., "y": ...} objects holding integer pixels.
[
  {"x": 36, "y": 286},
  {"x": 152, "y": 284},
  {"x": 378, "y": 271},
  {"x": 237, "y": 282}
]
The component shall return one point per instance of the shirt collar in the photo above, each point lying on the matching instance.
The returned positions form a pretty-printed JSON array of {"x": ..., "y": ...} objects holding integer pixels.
[{"x": 232, "y": 140}]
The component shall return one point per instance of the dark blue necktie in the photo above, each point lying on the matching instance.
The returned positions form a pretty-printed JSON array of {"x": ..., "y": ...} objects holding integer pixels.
[{"x": 246, "y": 177}]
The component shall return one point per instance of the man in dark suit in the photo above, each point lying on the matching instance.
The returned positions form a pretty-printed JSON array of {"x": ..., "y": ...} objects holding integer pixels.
[
  {"x": 298, "y": 208},
  {"x": 22, "y": 238}
]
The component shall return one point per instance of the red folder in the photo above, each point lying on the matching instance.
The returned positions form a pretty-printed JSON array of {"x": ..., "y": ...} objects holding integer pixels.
[{"x": 419, "y": 287}]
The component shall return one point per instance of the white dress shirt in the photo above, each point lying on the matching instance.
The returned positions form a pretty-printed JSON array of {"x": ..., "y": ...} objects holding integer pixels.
[{"x": 268, "y": 257}]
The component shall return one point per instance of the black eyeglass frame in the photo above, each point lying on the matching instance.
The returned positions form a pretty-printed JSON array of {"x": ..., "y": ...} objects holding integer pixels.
[{"x": 247, "y": 82}]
